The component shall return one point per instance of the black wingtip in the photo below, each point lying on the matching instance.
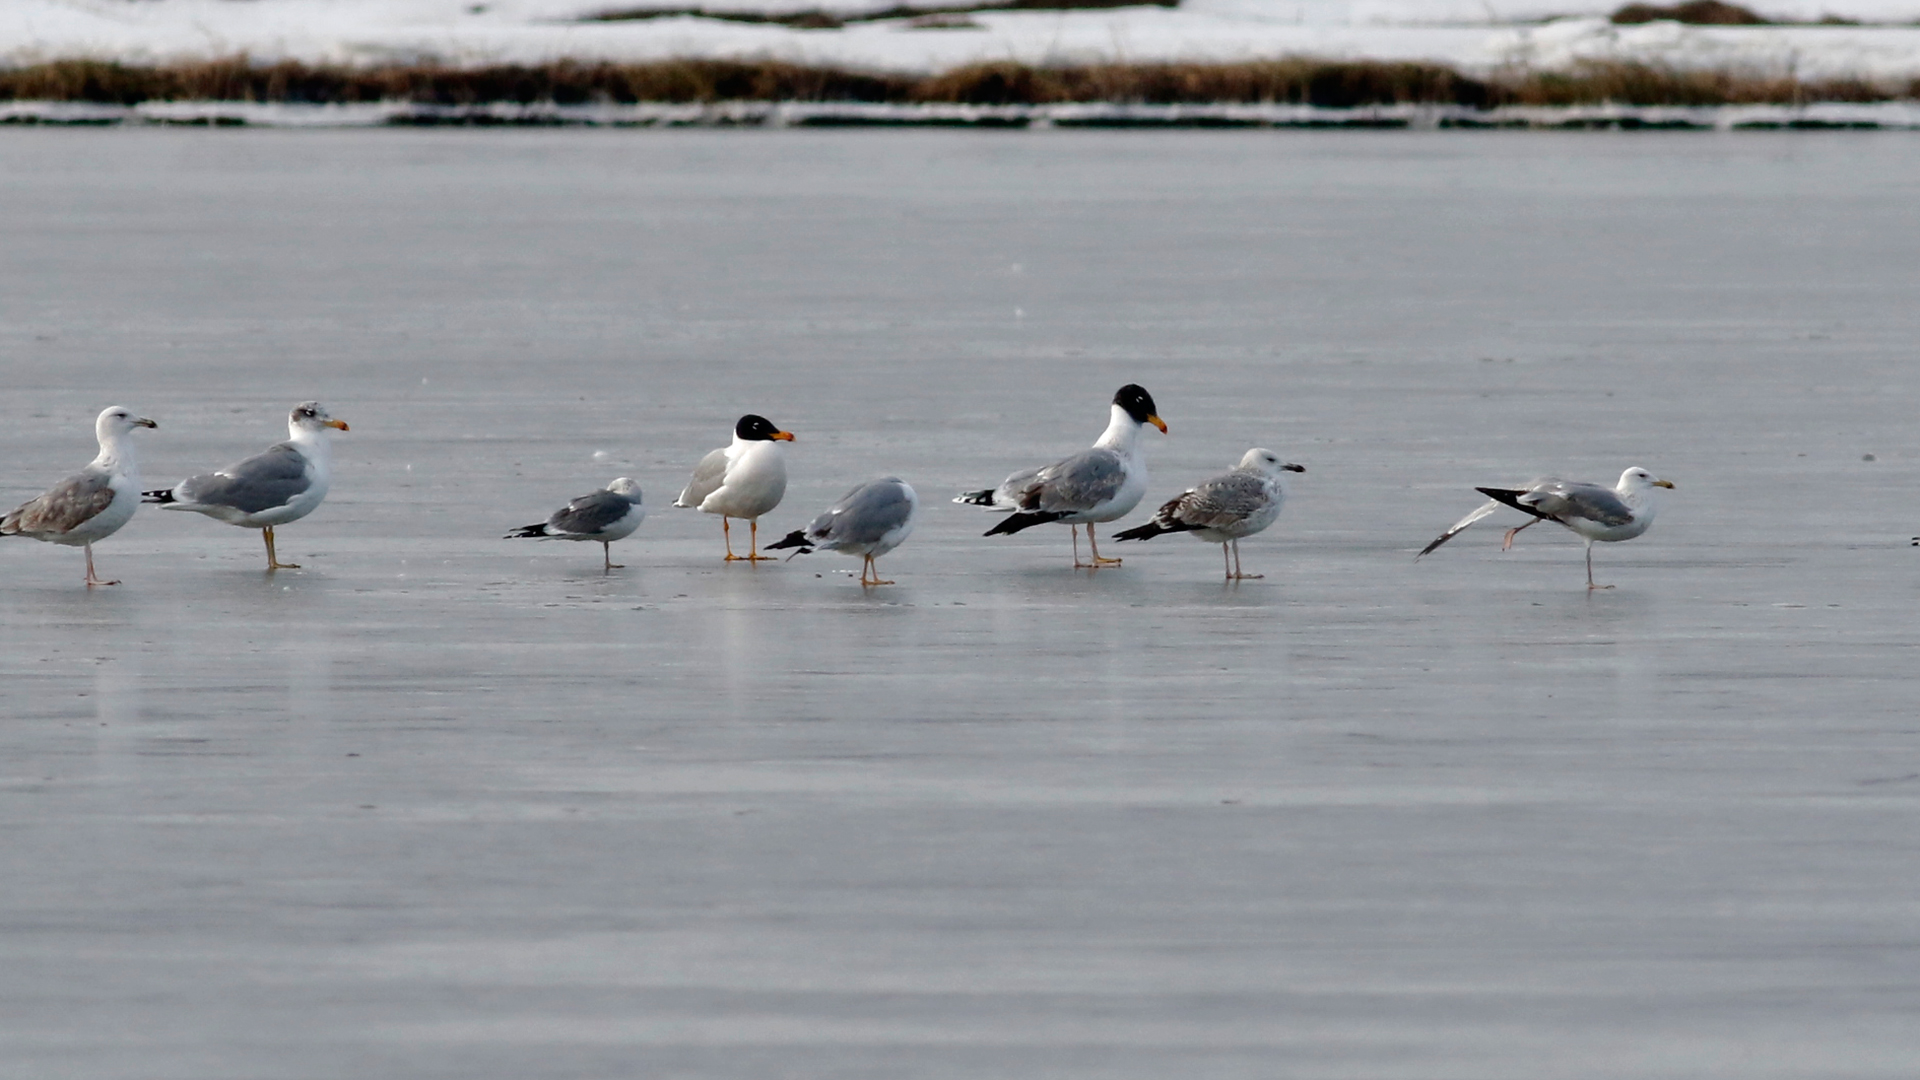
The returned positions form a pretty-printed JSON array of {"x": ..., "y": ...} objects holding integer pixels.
[
  {"x": 164, "y": 495},
  {"x": 527, "y": 532},
  {"x": 983, "y": 497},
  {"x": 1509, "y": 497},
  {"x": 1140, "y": 532},
  {"x": 795, "y": 539},
  {"x": 1015, "y": 522}
]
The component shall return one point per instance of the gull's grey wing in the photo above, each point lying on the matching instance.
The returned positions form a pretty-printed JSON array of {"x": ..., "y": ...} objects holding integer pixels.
[
  {"x": 589, "y": 514},
  {"x": 1560, "y": 500},
  {"x": 64, "y": 507},
  {"x": 1078, "y": 483},
  {"x": 268, "y": 479},
  {"x": 707, "y": 478},
  {"x": 863, "y": 515},
  {"x": 1459, "y": 526},
  {"x": 1012, "y": 492},
  {"x": 1222, "y": 502}
]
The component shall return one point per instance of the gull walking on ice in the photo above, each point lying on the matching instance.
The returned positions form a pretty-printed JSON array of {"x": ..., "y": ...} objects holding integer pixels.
[
  {"x": 610, "y": 514},
  {"x": 1591, "y": 511},
  {"x": 281, "y": 484},
  {"x": 868, "y": 521},
  {"x": 1226, "y": 508},
  {"x": 93, "y": 503},
  {"x": 741, "y": 480},
  {"x": 1100, "y": 484}
]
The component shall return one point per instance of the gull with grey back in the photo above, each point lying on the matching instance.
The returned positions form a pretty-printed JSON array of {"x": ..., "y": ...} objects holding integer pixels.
[
  {"x": 93, "y": 503},
  {"x": 281, "y": 484},
  {"x": 610, "y": 514},
  {"x": 867, "y": 522},
  {"x": 1103, "y": 483},
  {"x": 1226, "y": 508},
  {"x": 1590, "y": 511}
]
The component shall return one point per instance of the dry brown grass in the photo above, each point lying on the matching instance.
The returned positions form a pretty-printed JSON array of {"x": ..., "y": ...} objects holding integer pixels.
[
  {"x": 1302, "y": 82},
  {"x": 816, "y": 19},
  {"x": 1643, "y": 84},
  {"x": 1696, "y": 12},
  {"x": 1333, "y": 84}
]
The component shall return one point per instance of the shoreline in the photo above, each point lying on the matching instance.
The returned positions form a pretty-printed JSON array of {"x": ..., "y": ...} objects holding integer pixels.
[{"x": 1881, "y": 116}]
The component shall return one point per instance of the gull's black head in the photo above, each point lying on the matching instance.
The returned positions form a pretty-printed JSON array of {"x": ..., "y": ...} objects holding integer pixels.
[
  {"x": 754, "y": 426},
  {"x": 1139, "y": 405}
]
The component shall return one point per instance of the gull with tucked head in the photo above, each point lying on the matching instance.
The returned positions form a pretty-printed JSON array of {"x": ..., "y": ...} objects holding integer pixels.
[
  {"x": 93, "y": 503},
  {"x": 281, "y": 484},
  {"x": 867, "y": 522},
  {"x": 610, "y": 514},
  {"x": 1590, "y": 511}
]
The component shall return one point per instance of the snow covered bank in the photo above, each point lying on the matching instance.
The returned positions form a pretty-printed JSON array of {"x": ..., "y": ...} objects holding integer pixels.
[{"x": 1469, "y": 37}]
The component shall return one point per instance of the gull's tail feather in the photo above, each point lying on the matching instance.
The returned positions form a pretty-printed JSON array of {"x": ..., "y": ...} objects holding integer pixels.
[
  {"x": 1145, "y": 532},
  {"x": 1027, "y": 520},
  {"x": 1459, "y": 526},
  {"x": 529, "y": 532},
  {"x": 795, "y": 539},
  {"x": 983, "y": 497}
]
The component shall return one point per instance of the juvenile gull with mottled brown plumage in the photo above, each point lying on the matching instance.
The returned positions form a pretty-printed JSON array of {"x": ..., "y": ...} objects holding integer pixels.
[
  {"x": 1226, "y": 508},
  {"x": 93, "y": 503}
]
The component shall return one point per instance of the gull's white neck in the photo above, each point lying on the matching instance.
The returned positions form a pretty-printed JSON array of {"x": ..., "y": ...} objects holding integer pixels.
[
  {"x": 1122, "y": 435},
  {"x": 1638, "y": 495},
  {"x": 115, "y": 447},
  {"x": 312, "y": 441}
]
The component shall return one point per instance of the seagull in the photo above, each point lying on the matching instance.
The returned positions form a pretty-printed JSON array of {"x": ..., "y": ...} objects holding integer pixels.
[
  {"x": 93, "y": 503},
  {"x": 1227, "y": 507},
  {"x": 868, "y": 521},
  {"x": 742, "y": 480},
  {"x": 281, "y": 484},
  {"x": 1621, "y": 512},
  {"x": 1101, "y": 484},
  {"x": 610, "y": 514}
]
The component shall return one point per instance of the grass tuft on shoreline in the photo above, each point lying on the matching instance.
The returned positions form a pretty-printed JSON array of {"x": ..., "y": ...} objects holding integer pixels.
[{"x": 1300, "y": 81}]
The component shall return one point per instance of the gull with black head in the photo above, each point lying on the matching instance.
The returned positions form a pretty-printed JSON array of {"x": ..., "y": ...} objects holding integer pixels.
[
  {"x": 1591, "y": 511},
  {"x": 743, "y": 479},
  {"x": 277, "y": 486},
  {"x": 93, "y": 503},
  {"x": 1103, "y": 483},
  {"x": 1226, "y": 508},
  {"x": 867, "y": 522},
  {"x": 610, "y": 514}
]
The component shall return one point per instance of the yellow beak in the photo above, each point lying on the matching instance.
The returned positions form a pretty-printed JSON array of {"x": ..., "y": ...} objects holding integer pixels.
[
  {"x": 1157, "y": 422},
  {"x": 1663, "y": 483},
  {"x": 341, "y": 424},
  {"x": 783, "y": 436}
]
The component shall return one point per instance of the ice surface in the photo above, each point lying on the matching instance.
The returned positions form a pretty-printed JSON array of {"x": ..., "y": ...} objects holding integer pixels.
[
  {"x": 1471, "y": 35},
  {"x": 446, "y": 805}
]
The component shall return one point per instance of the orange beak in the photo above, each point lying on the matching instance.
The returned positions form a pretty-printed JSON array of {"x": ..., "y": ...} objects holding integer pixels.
[
  {"x": 341, "y": 424},
  {"x": 1157, "y": 422},
  {"x": 783, "y": 436}
]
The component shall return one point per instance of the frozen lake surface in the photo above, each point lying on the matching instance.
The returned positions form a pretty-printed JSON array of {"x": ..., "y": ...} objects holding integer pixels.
[{"x": 444, "y": 805}]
